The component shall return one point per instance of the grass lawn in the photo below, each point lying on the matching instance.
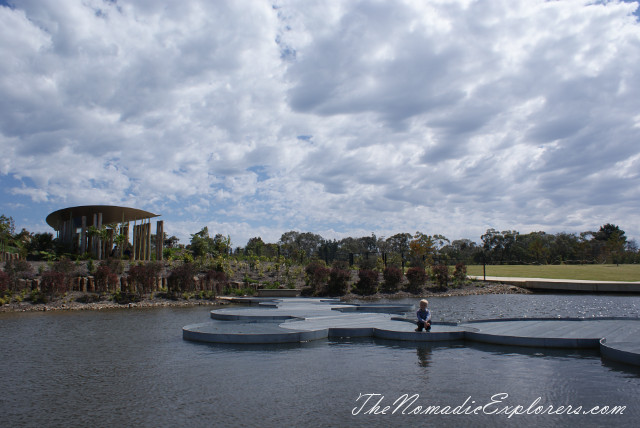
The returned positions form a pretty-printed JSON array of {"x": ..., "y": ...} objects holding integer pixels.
[{"x": 592, "y": 272}]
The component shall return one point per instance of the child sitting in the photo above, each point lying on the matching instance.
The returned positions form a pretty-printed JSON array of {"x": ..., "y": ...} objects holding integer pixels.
[{"x": 424, "y": 316}]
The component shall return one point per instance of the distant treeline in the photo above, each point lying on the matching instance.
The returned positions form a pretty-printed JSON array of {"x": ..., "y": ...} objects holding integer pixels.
[{"x": 607, "y": 245}]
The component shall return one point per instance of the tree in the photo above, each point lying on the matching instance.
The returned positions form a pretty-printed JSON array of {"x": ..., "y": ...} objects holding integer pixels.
[
  {"x": 254, "y": 246},
  {"x": 300, "y": 245},
  {"x": 221, "y": 244},
  {"x": 201, "y": 243},
  {"x": 422, "y": 248},
  {"x": 498, "y": 246},
  {"x": 399, "y": 243},
  {"x": 171, "y": 242},
  {"x": 7, "y": 229}
]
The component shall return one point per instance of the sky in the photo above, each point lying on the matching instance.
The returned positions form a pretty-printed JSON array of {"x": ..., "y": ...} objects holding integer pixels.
[{"x": 341, "y": 118}]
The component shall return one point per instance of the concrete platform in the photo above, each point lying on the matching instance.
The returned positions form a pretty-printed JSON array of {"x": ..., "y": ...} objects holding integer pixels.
[{"x": 292, "y": 320}]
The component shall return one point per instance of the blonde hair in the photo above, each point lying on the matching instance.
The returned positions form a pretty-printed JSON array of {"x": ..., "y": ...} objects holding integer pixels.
[{"x": 425, "y": 301}]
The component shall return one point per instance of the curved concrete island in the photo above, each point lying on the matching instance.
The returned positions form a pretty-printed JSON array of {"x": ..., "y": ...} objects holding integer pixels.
[{"x": 291, "y": 320}]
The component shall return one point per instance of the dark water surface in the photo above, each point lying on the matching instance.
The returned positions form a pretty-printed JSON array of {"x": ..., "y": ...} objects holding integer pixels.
[{"x": 132, "y": 368}]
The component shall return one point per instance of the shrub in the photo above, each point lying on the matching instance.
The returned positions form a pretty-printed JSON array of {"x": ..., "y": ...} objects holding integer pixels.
[
  {"x": 441, "y": 275},
  {"x": 144, "y": 275},
  {"x": 317, "y": 275},
  {"x": 205, "y": 295},
  {"x": 36, "y": 296},
  {"x": 125, "y": 298},
  {"x": 338, "y": 281},
  {"x": 91, "y": 267},
  {"x": 239, "y": 291},
  {"x": 392, "y": 278},
  {"x": 115, "y": 265},
  {"x": 105, "y": 279},
  {"x": 65, "y": 266},
  {"x": 216, "y": 281},
  {"x": 53, "y": 282},
  {"x": 460, "y": 272},
  {"x": 89, "y": 298},
  {"x": 181, "y": 279},
  {"x": 368, "y": 282},
  {"x": 416, "y": 277},
  {"x": 17, "y": 269},
  {"x": 368, "y": 262},
  {"x": 5, "y": 281}
]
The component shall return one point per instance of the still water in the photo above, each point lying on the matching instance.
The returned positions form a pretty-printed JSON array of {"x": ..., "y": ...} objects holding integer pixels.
[{"x": 132, "y": 368}]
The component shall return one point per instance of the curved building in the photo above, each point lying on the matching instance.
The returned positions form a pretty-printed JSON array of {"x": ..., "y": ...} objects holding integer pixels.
[{"x": 95, "y": 229}]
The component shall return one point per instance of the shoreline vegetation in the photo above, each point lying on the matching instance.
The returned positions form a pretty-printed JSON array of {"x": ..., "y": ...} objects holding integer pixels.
[
  {"x": 73, "y": 301},
  {"x": 89, "y": 285},
  {"x": 27, "y": 286}
]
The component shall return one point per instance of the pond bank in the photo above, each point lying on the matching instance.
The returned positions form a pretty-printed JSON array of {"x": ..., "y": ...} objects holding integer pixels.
[{"x": 70, "y": 303}]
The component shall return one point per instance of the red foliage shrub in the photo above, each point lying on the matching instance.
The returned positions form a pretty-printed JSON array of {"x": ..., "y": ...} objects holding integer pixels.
[
  {"x": 338, "y": 281},
  {"x": 106, "y": 280},
  {"x": 216, "y": 280},
  {"x": 368, "y": 282},
  {"x": 181, "y": 278},
  {"x": 392, "y": 277},
  {"x": 416, "y": 277},
  {"x": 53, "y": 282},
  {"x": 5, "y": 281},
  {"x": 441, "y": 275},
  {"x": 144, "y": 276},
  {"x": 317, "y": 275}
]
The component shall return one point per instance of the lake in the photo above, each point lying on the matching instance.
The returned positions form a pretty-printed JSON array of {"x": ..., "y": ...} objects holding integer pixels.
[{"x": 132, "y": 368}]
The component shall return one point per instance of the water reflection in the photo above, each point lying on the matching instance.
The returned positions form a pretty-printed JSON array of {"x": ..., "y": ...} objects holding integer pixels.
[{"x": 424, "y": 355}]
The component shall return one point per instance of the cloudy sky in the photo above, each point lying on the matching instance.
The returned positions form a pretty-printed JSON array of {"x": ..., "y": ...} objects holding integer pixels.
[{"x": 342, "y": 118}]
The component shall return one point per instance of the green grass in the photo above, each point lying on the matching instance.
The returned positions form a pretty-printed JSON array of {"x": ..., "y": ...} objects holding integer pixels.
[{"x": 590, "y": 272}]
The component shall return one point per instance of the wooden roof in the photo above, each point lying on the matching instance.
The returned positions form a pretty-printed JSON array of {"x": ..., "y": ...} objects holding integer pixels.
[{"x": 110, "y": 214}]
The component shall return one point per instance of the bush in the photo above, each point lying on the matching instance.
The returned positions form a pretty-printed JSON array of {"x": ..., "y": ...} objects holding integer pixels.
[
  {"x": 105, "y": 279},
  {"x": 317, "y": 275},
  {"x": 240, "y": 292},
  {"x": 368, "y": 262},
  {"x": 89, "y": 298},
  {"x": 5, "y": 281},
  {"x": 144, "y": 275},
  {"x": 36, "y": 296},
  {"x": 125, "y": 298},
  {"x": 416, "y": 277},
  {"x": 115, "y": 265},
  {"x": 53, "y": 282},
  {"x": 338, "y": 282},
  {"x": 392, "y": 278},
  {"x": 181, "y": 279},
  {"x": 460, "y": 272},
  {"x": 441, "y": 275},
  {"x": 216, "y": 281},
  {"x": 65, "y": 266},
  {"x": 368, "y": 282},
  {"x": 18, "y": 269}
]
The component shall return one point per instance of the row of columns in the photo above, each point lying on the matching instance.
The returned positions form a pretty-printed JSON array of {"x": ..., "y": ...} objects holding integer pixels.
[{"x": 100, "y": 248}]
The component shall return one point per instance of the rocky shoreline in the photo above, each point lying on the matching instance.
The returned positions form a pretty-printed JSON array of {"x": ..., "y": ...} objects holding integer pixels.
[{"x": 69, "y": 302}]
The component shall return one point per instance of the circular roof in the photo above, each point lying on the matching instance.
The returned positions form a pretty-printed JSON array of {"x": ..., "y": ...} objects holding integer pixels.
[{"x": 110, "y": 214}]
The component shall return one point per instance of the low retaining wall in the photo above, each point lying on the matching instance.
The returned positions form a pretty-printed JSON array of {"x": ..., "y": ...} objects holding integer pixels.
[
  {"x": 593, "y": 287},
  {"x": 565, "y": 284}
]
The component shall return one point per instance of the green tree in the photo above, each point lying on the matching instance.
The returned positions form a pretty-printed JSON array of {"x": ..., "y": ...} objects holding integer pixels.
[
  {"x": 201, "y": 243},
  {"x": 254, "y": 247}
]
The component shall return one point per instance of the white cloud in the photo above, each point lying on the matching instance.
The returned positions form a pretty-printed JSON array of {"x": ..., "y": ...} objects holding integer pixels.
[{"x": 342, "y": 118}]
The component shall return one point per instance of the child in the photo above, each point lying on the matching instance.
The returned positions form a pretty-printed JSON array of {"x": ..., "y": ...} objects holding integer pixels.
[{"x": 424, "y": 316}]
